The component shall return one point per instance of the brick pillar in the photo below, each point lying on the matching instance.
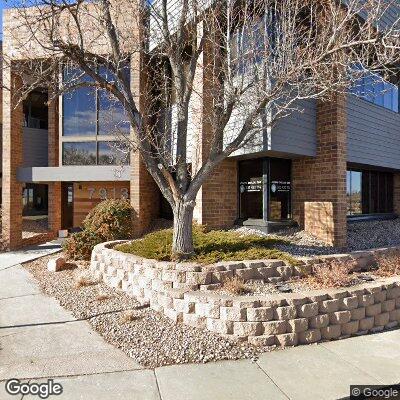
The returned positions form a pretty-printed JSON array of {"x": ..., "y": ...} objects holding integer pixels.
[
  {"x": 54, "y": 195},
  {"x": 144, "y": 193},
  {"x": 217, "y": 199},
  {"x": 319, "y": 183},
  {"x": 12, "y": 160}
]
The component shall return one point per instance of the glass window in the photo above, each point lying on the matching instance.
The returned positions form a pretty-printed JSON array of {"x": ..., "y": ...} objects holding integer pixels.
[
  {"x": 79, "y": 153},
  {"x": 376, "y": 90},
  {"x": 354, "y": 203},
  {"x": 112, "y": 117},
  {"x": 79, "y": 113},
  {"x": 369, "y": 192},
  {"x": 113, "y": 153}
]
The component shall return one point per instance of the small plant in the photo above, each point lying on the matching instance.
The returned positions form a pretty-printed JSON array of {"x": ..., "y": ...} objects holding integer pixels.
[
  {"x": 110, "y": 220},
  {"x": 236, "y": 286},
  {"x": 388, "y": 265},
  {"x": 80, "y": 245},
  {"x": 84, "y": 280},
  {"x": 332, "y": 274},
  {"x": 127, "y": 316},
  {"x": 102, "y": 297}
]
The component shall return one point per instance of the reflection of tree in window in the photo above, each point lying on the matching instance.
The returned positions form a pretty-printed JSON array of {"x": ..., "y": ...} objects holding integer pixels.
[
  {"x": 113, "y": 153},
  {"x": 79, "y": 153}
]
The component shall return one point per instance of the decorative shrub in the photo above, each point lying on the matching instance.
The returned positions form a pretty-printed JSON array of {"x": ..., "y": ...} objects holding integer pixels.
[
  {"x": 110, "y": 220},
  {"x": 332, "y": 274},
  {"x": 235, "y": 286},
  {"x": 209, "y": 247},
  {"x": 80, "y": 245}
]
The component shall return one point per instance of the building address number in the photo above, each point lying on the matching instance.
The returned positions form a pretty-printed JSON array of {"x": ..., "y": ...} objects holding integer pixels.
[{"x": 110, "y": 193}]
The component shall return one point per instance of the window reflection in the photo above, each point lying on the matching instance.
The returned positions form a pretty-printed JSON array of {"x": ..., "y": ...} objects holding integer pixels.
[
  {"x": 376, "y": 90},
  {"x": 113, "y": 153},
  {"x": 79, "y": 153}
]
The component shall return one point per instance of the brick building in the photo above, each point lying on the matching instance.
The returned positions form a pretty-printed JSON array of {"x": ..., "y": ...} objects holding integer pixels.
[{"x": 334, "y": 161}]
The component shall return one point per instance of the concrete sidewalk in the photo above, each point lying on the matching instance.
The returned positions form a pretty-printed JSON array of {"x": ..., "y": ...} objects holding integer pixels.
[{"x": 41, "y": 340}]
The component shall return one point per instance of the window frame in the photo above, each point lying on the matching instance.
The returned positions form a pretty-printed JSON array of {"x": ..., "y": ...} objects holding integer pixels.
[{"x": 83, "y": 138}]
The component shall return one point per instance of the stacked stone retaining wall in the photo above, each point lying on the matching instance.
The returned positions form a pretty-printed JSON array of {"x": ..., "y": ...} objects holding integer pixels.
[{"x": 183, "y": 292}]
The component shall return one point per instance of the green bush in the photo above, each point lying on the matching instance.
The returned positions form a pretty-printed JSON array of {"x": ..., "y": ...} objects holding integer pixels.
[
  {"x": 80, "y": 245},
  {"x": 209, "y": 247},
  {"x": 110, "y": 220}
]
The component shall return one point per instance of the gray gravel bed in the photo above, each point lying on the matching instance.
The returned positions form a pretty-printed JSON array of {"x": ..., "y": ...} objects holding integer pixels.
[
  {"x": 361, "y": 235},
  {"x": 150, "y": 338}
]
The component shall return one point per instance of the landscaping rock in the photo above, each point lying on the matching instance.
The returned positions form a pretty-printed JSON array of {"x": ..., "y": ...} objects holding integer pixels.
[{"x": 57, "y": 264}]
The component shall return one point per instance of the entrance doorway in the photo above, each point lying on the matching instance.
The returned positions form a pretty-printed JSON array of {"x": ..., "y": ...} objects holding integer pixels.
[
  {"x": 265, "y": 189},
  {"x": 67, "y": 205}
]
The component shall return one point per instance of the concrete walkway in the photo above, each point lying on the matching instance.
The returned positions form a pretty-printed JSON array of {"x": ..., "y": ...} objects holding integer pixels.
[{"x": 41, "y": 340}]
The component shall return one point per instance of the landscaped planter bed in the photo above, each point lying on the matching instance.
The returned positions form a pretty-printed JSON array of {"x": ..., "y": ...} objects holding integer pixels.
[{"x": 183, "y": 292}]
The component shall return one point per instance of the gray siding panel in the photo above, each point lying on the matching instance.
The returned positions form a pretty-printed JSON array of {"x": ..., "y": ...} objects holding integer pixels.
[
  {"x": 373, "y": 134},
  {"x": 297, "y": 134},
  {"x": 35, "y": 147}
]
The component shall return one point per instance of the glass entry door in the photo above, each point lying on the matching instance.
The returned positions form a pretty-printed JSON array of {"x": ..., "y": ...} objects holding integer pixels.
[
  {"x": 265, "y": 189},
  {"x": 280, "y": 189},
  {"x": 251, "y": 189}
]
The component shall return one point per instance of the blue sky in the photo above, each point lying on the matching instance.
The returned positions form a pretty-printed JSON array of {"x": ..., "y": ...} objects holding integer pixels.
[{"x": 1, "y": 19}]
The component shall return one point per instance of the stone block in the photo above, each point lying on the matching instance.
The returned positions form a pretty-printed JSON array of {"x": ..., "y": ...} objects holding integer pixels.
[
  {"x": 350, "y": 328},
  {"x": 260, "y": 314},
  {"x": 394, "y": 315},
  {"x": 308, "y": 310},
  {"x": 288, "y": 312},
  {"x": 173, "y": 315},
  {"x": 221, "y": 276},
  {"x": 219, "y": 326},
  {"x": 245, "y": 273},
  {"x": 348, "y": 303},
  {"x": 358, "y": 313},
  {"x": 310, "y": 336},
  {"x": 388, "y": 305},
  {"x": 57, "y": 264},
  {"x": 382, "y": 319},
  {"x": 233, "y": 314},
  {"x": 247, "y": 328},
  {"x": 366, "y": 300},
  {"x": 207, "y": 310},
  {"x": 392, "y": 325},
  {"x": 285, "y": 272},
  {"x": 115, "y": 282},
  {"x": 198, "y": 278},
  {"x": 262, "y": 340},
  {"x": 373, "y": 310},
  {"x": 194, "y": 320},
  {"x": 380, "y": 297},
  {"x": 329, "y": 306},
  {"x": 287, "y": 339},
  {"x": 211, "y": 286},
  {"x": 367, "y": 323},
  {"x": 340, "y": 317},
  {"x": 265, "y": 272},
  {"x": 398, "y": 302},
  {"x": 275, "y": 327},
  {"x": 331, "y": 332},
  {"x": 319, "y": 321},
  {"x": 173, "y": 276},
  {"x": 233, "y": 266},
  {"x": 393, "y": 293},
  {"x": 297, "y": 325},
  {"x": 184, "y": 306}
]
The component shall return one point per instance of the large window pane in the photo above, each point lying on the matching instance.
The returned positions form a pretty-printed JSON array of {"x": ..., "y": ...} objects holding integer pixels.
[
  {"x": 79, "y": 107},
  {"x": 79, "y": 153},
  {"x": 112, "y": 117},
  {"x": 113, "y": 153}
]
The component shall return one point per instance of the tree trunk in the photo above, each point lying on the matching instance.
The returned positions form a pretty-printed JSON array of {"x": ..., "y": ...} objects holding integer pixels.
[{"x": 182, "y": 245}]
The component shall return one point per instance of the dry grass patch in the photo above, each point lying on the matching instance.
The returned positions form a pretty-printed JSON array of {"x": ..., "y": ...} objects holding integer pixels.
[
  {"x": 102, "y": 297},
  {"x": 127, "y": 316},
  {"x": 84, "y": 280},
  {"x": 331, "y": 275},
  {"x": 235, "y": 286},
  {"x": 388, "y": 265}
]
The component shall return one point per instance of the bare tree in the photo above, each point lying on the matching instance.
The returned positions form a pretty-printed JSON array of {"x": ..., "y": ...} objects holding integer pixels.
[{"x": 259, "y": 60}]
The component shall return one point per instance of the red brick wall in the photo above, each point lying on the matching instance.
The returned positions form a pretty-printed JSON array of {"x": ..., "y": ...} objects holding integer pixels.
[
  {"x": 12, "y": 159},
  {"x": 54, "y": 202},
  {"x": 319, "y": 183}
]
